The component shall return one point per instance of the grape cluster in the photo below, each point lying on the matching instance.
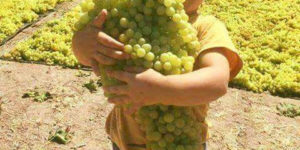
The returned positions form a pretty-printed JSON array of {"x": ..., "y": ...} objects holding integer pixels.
[
  {"x": 169, "y": 127},
  {"x": 15, "y": 13},
  {"x": 157, "y": 35}
]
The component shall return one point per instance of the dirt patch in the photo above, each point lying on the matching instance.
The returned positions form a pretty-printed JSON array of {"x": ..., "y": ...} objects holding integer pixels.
[
  {"x": 25, "y": 124},
  {"x": 239, "y": 120}
]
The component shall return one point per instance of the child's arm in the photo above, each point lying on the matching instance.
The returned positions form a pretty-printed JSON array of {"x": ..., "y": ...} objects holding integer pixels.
[{"x": 199, "y": 87}]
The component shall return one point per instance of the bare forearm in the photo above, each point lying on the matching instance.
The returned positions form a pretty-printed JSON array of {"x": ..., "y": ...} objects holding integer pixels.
[{"x": 198, "y": 87}]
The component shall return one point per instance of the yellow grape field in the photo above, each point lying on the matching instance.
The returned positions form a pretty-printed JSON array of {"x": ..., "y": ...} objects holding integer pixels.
[
  {"x": 266, "y": 33},
  {"x": 51, "y": 44},
  {"x": 15, "y": 13}
]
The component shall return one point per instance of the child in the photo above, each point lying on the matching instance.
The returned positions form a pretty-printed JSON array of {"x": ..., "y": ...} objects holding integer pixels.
[{"x": 215, "y": 66}]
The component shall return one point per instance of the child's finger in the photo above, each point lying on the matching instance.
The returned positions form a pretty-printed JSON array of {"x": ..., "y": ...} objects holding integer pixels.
[
  {"x": 95, "y": 67},
  {"x": 108, "y": 41},
  {"x": 102, "y": 59},
  {"x": 114, "y": 53},
  {"x": 100, "y": 19},
  {"x": 121, "y": 75}
]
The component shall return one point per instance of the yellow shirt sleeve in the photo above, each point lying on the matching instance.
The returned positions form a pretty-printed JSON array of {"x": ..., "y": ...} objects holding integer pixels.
[{"x": 212, "y": 33}]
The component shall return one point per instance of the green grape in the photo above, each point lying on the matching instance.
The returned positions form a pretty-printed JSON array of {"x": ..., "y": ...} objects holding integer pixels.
[
  {"x": 123, "y": 38},
  {"x": 184, "y": 32},
  {"x": 124, "y": 22},
  {"x": 114, "y": 12},
  {"x": 184, "y": 17},
  {"x": 158, "y": 65},
  {"x": 163, "y": 40},
  {"x": 155, "y": 146},
  {"x": 147, "y": 47},
  {"x": 176, "y": 71},
  {"x": 160, "y": 10},
  {"x": 188, "y": 66},
  {"x": 161, "y": 120},
  {"x": 141, "y": 25},
  {"x": 129, "y": 33},
  {"x": 150, "y": 3},
  {"x": 174, "y": 60},
  {"x": 162, "y": 143},
  {"x": 181, "y": 24},
  {"x": 176, "y": 18},
  {"x": 168, "y": 117},
  {"x": 86, "y": 6},
  {"x": 154, "y": 136},
  {"x": 164, "y": 57},
  {"x": 167, "y": 66},
  {"x": 170, "y": 11},
  {"x": 84, "y": 19},
  {"x": 139, "y": 18},
  {"x": 138, "y": 35},
  {"x": 128, "y": 48},
  {"x": 177, "y": 132},
  {"x": 179, "y": 123},
  {"x": 169, "y": 137},
  {"x": 170, "y": 127},
  {"x": 187, "y": 38},
  {"x": 132, "y": 25},
  {"x": 147, "y": 30},
  {"x": 186, "y": 129},
  {"x": 142, "y": 41},
  {"x": 179, "y": 6},
  {"x": 153, "y": 114},
  {"x": 132, "y": 42},
  {"x": 162, "y": 129},
  {"x": 182, "y": 53},
  {"x": 168, "y": 3},
  {"x": 180, "y": 147},
  {"x": 163, "y": 108},
  {"x": 149, "y": 56},
  {"x": 141, "y": 52},
  {"x": 136, "y": 47},
  {"x": 155, "y": 35}
]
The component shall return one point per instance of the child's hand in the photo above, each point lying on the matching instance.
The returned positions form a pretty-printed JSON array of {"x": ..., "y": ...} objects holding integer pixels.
[
  {"x": 142, "y": 88},
  {"x": 92, "y": 47}
]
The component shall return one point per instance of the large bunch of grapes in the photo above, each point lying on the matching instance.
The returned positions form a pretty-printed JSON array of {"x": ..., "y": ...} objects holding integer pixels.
[
  {"x": 169, "y": 127},
  {"x": 15, "y": 13},
  {"x": 157, "y": 35}
]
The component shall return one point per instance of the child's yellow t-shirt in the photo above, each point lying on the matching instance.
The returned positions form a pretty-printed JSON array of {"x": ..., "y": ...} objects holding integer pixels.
[{"x": 123, "y": 129}]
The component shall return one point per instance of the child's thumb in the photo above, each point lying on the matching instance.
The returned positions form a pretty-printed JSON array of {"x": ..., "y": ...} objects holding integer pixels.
[{"x": 100, "y": 19}]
